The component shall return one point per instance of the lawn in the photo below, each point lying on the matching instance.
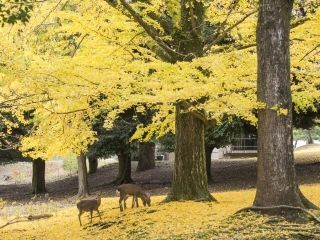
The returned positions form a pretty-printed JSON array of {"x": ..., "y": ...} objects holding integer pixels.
[
  {"x": 175, "y": 220},
  {"x": 307, "y": 154}
]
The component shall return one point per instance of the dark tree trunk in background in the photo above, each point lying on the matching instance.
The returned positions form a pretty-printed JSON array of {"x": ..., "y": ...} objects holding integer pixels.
[
  {"x": 208, "y": 150},
  {"x": 190, "y": 175},
  {"x": 93, "y": 164},
  {"x": 146, "y": 156},
  {"x": 276, "y": 184},
  {"x": 309, "y": 139},
  {"x": 83, "y": 189},
  {"x": 38, "y": 176},
  {"x": 124, "y": 172}
]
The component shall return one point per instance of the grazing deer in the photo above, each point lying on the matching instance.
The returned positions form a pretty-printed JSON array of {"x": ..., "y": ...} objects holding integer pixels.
[
  {"x": 126, "y": 190},
  {"x": 89, "y": 205}
]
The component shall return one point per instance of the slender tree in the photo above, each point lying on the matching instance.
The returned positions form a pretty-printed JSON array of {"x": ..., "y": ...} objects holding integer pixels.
[
  {"x": 83, "y": 189},
  {"x": 38, "y": 176}
]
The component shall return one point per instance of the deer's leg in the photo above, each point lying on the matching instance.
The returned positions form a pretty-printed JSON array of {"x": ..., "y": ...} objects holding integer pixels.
[
  {"x": 91, "y": 216},
  {"x": 79, "y": 216},
  {"x": 120, "y": 204},
  {"x": 133, "y": 201},
  {"x": 99, "y": 213},
  {"x": 137, "y": 203},
  {"x": 124, "y": 201}
]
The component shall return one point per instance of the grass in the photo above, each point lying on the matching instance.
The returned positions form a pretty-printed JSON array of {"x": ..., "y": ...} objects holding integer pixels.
[
  {"x": 174, "y": 220},
  {"x": 307, "y": 154}
]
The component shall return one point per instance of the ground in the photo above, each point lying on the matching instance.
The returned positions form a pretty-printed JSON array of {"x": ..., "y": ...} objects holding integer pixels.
[
  {"x": 233, "y": 186},
  {"x": 175, "y": 220}
]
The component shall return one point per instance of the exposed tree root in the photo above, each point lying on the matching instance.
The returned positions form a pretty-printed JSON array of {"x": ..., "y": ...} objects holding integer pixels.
[
  {"x": 26, "y": 219},
  {"x": 121, "y": 180},
  {"x": 280, "y": 207},
  {"x": 172, "y": 198},
  {"x": 308, "y": 204}
]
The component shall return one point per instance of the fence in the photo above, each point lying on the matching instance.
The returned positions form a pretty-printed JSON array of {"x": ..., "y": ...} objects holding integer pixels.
[{"x": 243, "y": 145}]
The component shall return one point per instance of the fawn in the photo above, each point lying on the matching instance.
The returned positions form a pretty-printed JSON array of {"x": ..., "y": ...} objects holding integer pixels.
[
  {"x": 89, "y": 205},
  {"x": 126, "y": 190}
]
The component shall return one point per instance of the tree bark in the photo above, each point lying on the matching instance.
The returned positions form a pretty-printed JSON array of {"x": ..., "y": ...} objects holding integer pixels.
[
  {"x": 83, "y": 189},
  {"x": 309, "y": 138},
  {"x": 190, "y": 176},
  {"x": 38, "y": 176},
  {"x": 93, "y": 164},
  {"x": 208, "y": 150},
  {"x": 124, "y": 172},
  {"x": 276, "y": 183},
  {"x": 146, "y": 156}
]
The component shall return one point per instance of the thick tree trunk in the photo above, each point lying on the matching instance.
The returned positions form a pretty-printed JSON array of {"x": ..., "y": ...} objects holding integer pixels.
[
  {"x": 38, "y": 176},
  {"x": 83, "y": 189},
  {"x": 146, "y": 156},
  {"x": 93, "y": 164},
  {"x": 190, "y": 175},
  {"x": 124, "y": 172},
  {"x": 276, "y": 183},
  {"x": 208, "y": 150}
]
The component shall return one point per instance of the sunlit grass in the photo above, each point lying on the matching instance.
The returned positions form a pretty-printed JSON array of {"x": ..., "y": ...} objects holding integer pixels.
[
  {"x": 174, "y": 220},
  {"x": 307, "y": 154}
]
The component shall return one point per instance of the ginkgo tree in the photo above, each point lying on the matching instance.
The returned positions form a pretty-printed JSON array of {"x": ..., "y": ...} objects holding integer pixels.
[
  {"x": 191, "y": 62},
  {"x": 69, "y": 111}
]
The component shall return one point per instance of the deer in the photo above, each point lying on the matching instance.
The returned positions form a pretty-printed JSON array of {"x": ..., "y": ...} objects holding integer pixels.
[
  {"x": 126, "y": 190},
  {"x": 89, "y": 205}
]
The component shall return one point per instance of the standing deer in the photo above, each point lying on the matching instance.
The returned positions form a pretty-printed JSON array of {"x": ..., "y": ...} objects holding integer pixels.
[
  {"x": 89, "y": 205},
  {"x": 126, "y": 190}
]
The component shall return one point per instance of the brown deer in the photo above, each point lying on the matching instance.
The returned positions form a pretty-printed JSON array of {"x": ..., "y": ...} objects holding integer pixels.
[
  {"x": 126, "y": 190},
  {"x": 89, "y": 205}
]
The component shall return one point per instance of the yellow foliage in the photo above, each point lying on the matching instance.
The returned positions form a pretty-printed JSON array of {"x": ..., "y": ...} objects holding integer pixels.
[{"x": 75, "y": 60}]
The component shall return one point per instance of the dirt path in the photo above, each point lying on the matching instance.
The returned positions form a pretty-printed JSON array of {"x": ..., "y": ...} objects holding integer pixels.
[{"x": 228, "y": 175}]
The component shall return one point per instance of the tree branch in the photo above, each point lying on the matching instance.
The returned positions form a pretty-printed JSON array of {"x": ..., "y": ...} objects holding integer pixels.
[
  {"x": 223, "y": 34},
  {"x": 232, "y": 7},
  {"x": 78, "y": 45},
  {"x": 65, "y": 113},
  {"x": 308, "y": 53},
  {"x": 149, "y": 30},
  {"x": 196, "y": 113}
]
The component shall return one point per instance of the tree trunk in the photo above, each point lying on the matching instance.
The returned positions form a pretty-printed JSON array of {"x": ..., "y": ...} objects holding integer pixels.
[
  {"x": 83, "y": 190},
  {"x": 309, "y": 139},
  {"x": 38, "y": 176},
  {"x": 93, "y": 164},
  {"x": 208, "y": 150},
  {"x": 276, "y": 184},
  {"x": 146, "y": 156},
  {"x": 190, "y": 176},
  {"x": 124, "y": 172}
]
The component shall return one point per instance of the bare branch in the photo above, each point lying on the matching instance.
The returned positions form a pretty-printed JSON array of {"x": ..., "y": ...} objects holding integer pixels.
[
  {"x": 78, "y": 45},
  {"x": 65, "y": 113},
  {"x": 308, "y": 53}
]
